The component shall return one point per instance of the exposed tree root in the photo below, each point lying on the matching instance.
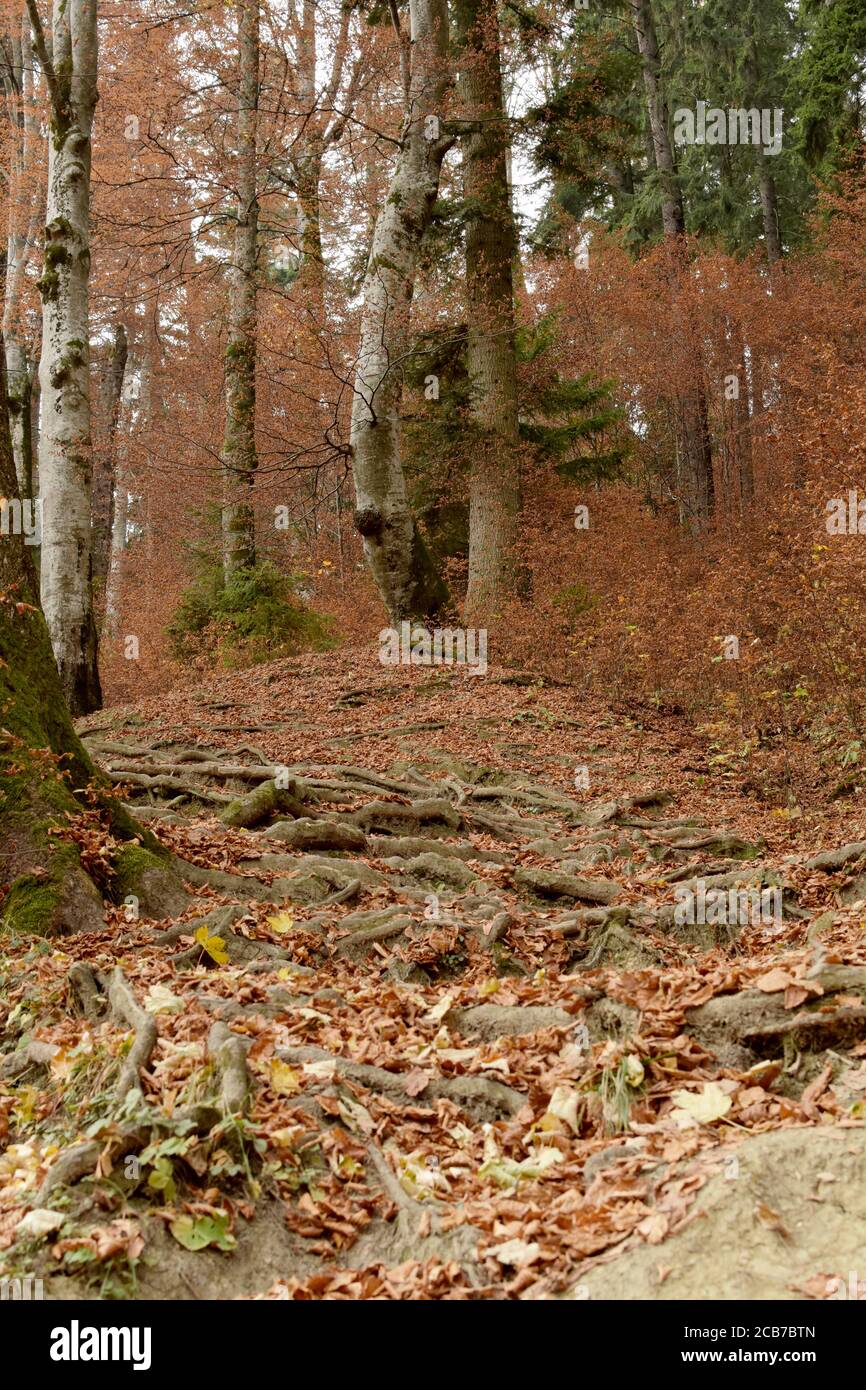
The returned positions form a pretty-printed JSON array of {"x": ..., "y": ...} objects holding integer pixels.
[
  {"x": 124, "y": 1004},
  {"x": 477, "y": 1095}
]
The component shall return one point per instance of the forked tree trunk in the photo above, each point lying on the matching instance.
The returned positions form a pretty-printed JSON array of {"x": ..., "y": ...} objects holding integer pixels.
[
  {"x": 65, "y": 448},
  {"x": 494, "y": 487},
  {"x": 239, "y": 444},
  {"x": 399, "y": 560}
]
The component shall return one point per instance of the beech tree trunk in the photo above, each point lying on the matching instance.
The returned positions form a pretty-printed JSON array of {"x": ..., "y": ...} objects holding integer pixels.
[
  {"x": 24, "y": 204},
  {"x": 494, "y": 487},
  {"x": 65, "y": 448},
  {"x": 104, "y": 482},
  {"x": 396, "y": 553},
  {"x": 46, "y": 777},
  {"x": 239, "y": 443}
]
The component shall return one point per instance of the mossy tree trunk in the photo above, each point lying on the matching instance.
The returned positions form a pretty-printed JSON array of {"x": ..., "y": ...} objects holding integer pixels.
[
  {"x": 46, "y": 775},
  {"x": 239, "y": 444},
  {"x": 494, "y": 486},
  {"x": 400, "y": 562},
  {"x": 65, "y": 446}
]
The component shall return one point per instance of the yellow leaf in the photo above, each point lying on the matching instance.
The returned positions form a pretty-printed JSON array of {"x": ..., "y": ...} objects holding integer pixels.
[
  {"x": 284, "y": 1079},
  {"x": 282, "y": 922},
  {"x": 214, "y": 945}
]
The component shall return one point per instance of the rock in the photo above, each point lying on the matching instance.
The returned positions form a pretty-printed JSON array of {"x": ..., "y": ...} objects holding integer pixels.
[
  {"x": 309, "y": 834},
  {"x": 548, "y": 883},
  {"x": 783, "y": 1173}
]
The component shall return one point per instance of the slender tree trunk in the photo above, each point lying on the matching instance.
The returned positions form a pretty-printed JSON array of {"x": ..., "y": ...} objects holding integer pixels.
[
  {"x": 65, "y": 448},
  {"x": 239, "y": 443},
  {"x": 104, "y": 481},
  {"x": 744, "y": 425},
  {"x": 398, "y": 558},
  {"x": 673, "y": 219},
  {"x": 494, "y": 487},
  {"x": 24, "y": 215},
  {"x": 133, "y": 421},
  {"x": 308, "y": 168},
  {"x": 769, "y": 210}
]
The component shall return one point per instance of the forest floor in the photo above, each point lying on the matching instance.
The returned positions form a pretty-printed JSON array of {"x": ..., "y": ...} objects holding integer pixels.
[{"x": 434, "y": 1028}]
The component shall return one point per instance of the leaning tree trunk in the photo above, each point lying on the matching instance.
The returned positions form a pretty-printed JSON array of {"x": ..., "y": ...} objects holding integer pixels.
[
  {"x": 65, "y": 450},
  {"x": 239, "y": 443},
  {"x": 399, "y": 560},
  {"x": 494, "y": 486}
]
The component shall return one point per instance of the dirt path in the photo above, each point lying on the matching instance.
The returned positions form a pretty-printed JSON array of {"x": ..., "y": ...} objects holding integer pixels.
[{"x": 456, "y": 988}]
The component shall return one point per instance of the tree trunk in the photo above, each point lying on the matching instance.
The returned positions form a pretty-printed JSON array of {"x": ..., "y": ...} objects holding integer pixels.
[
  {"x": 21, "y": 238},
  {"x": 46, "y": 777},
  {"x": 65, "y": 448},
  {"x": 769, "y": 210},
  {"x": 133, "y": 421},
  {"x": 673, "y": 219},
  {"x": 239, "y": 443},
  {"x": 398, "y": 558},
  {"x": 494, "y": 487},
  {"x": 104, "y": 482}
]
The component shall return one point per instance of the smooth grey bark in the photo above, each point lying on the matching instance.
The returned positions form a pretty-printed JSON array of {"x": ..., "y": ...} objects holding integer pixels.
[
  {"x": 65, "y": 446},
  {"x": 399, "y": 560},
  {"x": 24, "y": 204}
]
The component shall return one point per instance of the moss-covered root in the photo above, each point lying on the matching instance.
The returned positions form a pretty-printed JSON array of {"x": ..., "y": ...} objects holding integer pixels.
[
  {"x": 147, "y": 883},
  {"x": 53, "y": 902},
  {"x": 258, "y": 806}
]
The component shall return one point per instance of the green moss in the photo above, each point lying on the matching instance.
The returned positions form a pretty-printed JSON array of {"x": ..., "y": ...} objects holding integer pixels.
[
  {"x": 34, "y": 902},
  {"x": 130, "y": 864}
]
